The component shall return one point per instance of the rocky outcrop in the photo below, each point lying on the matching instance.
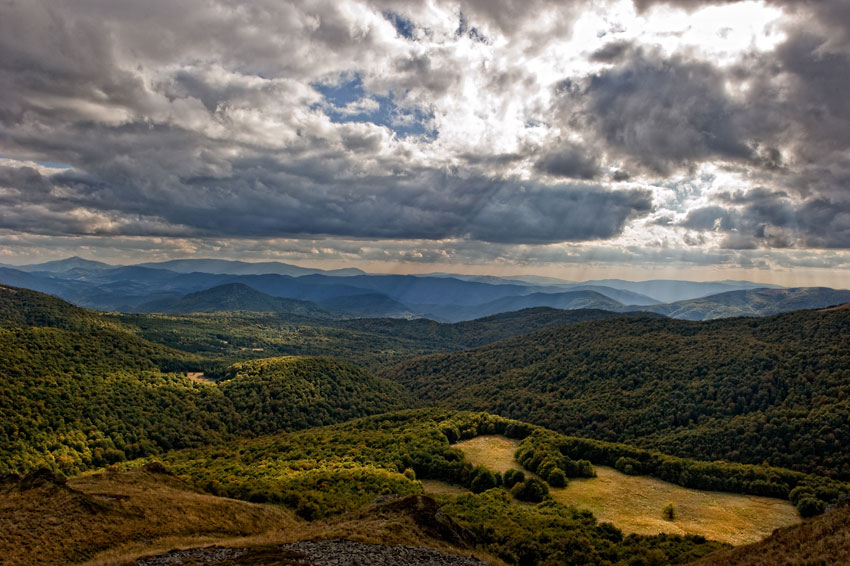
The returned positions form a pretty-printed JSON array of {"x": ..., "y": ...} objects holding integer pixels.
[{"x": 312, "y": 553}]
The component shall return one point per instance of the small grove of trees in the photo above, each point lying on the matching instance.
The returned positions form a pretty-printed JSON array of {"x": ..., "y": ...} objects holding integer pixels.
[
  {"x": 512, "y": 477},
  {"x": 532, "y": 490}
]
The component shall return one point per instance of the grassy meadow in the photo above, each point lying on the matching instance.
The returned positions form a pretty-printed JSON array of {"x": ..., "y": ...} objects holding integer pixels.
[{"x": 634, "y": 503}]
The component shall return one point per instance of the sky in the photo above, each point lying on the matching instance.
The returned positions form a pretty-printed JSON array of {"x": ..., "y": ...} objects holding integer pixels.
[{"x": 579, "y": 139}]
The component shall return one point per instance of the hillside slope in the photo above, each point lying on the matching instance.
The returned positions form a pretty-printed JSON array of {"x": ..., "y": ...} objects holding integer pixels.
[
  {"x": 78, "y": 390},
  {"x": 749, "y": 390},
  {"x": 291, "y": 393},
  {"x": 570, "y": 300},
  {"x": 820, "y": 541},
  {"x": 370, "y": 343},
  {"x": 45, "y": 520},
  {"x": 755, "y": 302},
  {"x": 234, "y": 297}
]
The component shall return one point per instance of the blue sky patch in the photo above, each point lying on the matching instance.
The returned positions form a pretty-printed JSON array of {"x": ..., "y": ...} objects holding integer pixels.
[
  {"x": 348, "y": 101},
  {"x": 51, "y": 164},
  {"x": 402, "y": 25}
]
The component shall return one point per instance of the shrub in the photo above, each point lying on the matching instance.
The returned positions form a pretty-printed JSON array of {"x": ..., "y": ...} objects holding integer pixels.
[
  {"x": 532, "y": 490},
  {"x": 482, "y": 480},
  {"x": 557, "y": 478},
  {"x": 628, "y": 466},
  {"x": 810, "y": 506},
  {"x": 513, "y": 477},
  {"x": 669, "y": 512}
]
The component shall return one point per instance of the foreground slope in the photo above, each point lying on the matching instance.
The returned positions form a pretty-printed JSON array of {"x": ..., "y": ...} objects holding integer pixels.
[
  {"x": 749, "y": 390},
  {"x": 820, "y": 541},
  {"x": 44, "y": 520}
]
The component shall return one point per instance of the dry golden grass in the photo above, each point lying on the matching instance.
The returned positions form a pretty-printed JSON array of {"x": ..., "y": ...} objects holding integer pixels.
[
  {"x": 114, "y": 518},
  {"x": 375, "y": 524},
  {"x": 634, "y": 503},
  {"x": 820, "y": 541},
  {"x": 437, "y": 487},
  {"x": 492, "y": 451},
  {"x": 113, "y": 514}
]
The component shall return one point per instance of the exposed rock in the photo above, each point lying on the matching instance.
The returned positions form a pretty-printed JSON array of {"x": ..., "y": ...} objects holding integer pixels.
[
  {"x": 348, "y": 553},
  {"x": 429, "y": 517},
  {"x": 199, "y": 556},
  {"x": 311, "y": 553}
]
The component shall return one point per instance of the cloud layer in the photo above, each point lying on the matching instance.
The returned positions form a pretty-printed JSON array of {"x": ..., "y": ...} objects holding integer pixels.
[{"x": 592, "y": 129}]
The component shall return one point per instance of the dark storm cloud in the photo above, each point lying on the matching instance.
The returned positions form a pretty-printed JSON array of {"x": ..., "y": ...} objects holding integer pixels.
[
  {"x": 643, "y": 5},
  {"x": 611, "y": 52},
  {"x": 787, "y": 128},
  {"x": 660, "y": 112},
  {"x": 569, "y": 160},
  {"x": 764, "y": 218},
  {"x": 262, "y": 198}
]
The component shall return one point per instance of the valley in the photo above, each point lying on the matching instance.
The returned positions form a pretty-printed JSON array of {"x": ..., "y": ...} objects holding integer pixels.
[
  {"x": 537, "y": 436},
  {"x": 425, "y": 283}
]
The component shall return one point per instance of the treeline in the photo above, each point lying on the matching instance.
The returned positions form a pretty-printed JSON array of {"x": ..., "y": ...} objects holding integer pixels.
[{"x": 770, "y": 390}]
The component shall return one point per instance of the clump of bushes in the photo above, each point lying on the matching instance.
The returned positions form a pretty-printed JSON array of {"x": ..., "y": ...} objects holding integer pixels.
[
  {"x": 512, "y": 477},
  {"x": 483, "y": 479},
  {"x": 628, "y": 466},
  {"x": 557, "y": 478},
  {"x": 532, "y": 490}
]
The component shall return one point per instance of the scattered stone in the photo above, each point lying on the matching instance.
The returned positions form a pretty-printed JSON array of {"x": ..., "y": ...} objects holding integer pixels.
[
  {"x": 347, "y": 553},
  {"x": 194, "y": 556},
  {"x": 335, "y": 552}
]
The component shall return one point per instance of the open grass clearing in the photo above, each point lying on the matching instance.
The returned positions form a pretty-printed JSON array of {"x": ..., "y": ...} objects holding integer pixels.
[
  {"x": 634, "y": 503},
  {"x": 437, "y": 487}
]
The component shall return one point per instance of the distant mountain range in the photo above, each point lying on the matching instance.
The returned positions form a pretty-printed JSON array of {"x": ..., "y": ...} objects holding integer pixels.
[{"x": 209, "y": 285}]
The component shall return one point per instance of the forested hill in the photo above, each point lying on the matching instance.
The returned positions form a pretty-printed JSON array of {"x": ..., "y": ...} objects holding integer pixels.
[
  {"x": 78, "y": 390},
  {"x": 478, "y": 332},
  {"x": 22, "y": 307},
  {"x": 234, "y": 297},
  {"x": 751, "y": 390}
]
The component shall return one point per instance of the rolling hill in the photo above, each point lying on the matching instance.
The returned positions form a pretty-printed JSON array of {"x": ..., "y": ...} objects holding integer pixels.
[
  {"x": 164, "y": 286},
  {"x": 230, "y": 267},
  {"x": 754, "y": 302},
  {"x": 80, "y": 390},
  {"x": 669, "y": 291},
  {"x": 748, "y": 390},
  {"x": 232, "y": 297},
  {"x": 572, "y": 300}
]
